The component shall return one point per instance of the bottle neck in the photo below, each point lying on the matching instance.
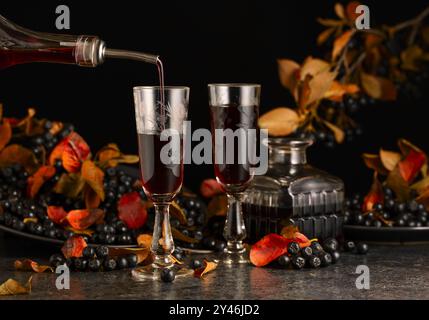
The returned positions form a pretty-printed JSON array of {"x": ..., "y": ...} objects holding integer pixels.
[{"x": 294, "y": 156}]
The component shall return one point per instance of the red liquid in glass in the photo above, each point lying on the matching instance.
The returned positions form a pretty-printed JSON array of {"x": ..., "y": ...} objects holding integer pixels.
[
  {"x": 158, "y": 178},
  {"x": 11, "y": 57},
  {"x": 233, "y": 117}
]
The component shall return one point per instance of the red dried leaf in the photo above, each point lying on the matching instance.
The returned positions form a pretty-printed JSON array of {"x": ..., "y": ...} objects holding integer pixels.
[
  {"x": 30, "y": 265},
  {"x": 56, "y": 214},
  {"x": 83, "y": 219},
  {"x": 351, "y": 10},
  {"x": 73, "y": 247},
  {"x": 73, "y": 150},
  {"x": 132, "y": 211},
  {"x": 210, "y": 188},
  {"x": 5, "y": 134},
  {"x": 36, "y": 181},
  {"x": 411, "y": 165},
  {"x": 375, "y": 195},
  {"x": 268, "y": 249}
]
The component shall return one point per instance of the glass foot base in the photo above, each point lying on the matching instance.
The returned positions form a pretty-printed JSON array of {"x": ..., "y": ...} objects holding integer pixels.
[
  {"x": 152, "y": 272},
  {"x": 231, "y": 258}
]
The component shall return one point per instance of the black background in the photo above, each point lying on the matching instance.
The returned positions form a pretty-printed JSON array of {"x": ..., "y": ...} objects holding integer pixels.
[{"x": 200, "y": 42}]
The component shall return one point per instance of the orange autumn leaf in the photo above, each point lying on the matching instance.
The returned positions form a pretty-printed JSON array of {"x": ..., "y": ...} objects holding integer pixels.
[
  {"x": 338, "y": 90},
  {"x": 94, "y": 177},
  {"x": 5, "y": 134},
  {"x": 30, "y": 265},
  {"x": 340, "y": 43},
  {"x": 56, "y": 214},
  {"x": 92, "y": 200},
  {"x": 143, "y": 254},
  {"x": 144, "y": 240},
  {"x": 36, "y": 181},
  {"x": 72, "y": 150},
  {"x": 389, "y": 159},
  {"x": 374, "y": 196},
  {"x": 208, "y": 266},
  {"x": 210, "y": 187},
  {"x": 73, "y": 247},
  {"x": 288, "y": 73},
  {"x": 132, "y": 211},
  {"x": 378, "y": 87},
  {"x": 17, "y": 154},
  {"x": 373, "y": 161},
  {"x": 338, "y": 132},
  {"x": 83, "y": 219}
]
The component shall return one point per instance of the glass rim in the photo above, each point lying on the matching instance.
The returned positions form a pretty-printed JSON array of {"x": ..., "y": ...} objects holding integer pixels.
[
  {"x": 166, "y": 88},
  {"x": 235, "y": 85},
  {"x": 287, "y": 142}
]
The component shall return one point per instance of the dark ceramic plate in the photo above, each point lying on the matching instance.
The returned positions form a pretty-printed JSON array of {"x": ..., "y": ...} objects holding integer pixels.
[
  {"x": 50, "y": 240},
  {"x": 132, "y": 171},
  {"x": 387, "y": 234}
]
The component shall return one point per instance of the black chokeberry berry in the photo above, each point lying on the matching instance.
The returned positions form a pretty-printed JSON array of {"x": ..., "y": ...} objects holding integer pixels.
[
  {"x": 56, "y": 259},
  {"x": 94, "y": 264},
  {"x": 330, "y": 245},
  {"x": 362, "y": 248},
  {"x": 293, "y": 248},
  {"x": 196, "y": 264},
  {"x": 314, "y": 261},
  {"x": 122, "y": 262},
  {"x": 109, "y": 264},
  {"x": 306, "y": 252},
  {"x": 378, "y": 207},
  {"x": 80, "y": 264},
  {"x": 316, "y": 247},
  {"x": 326, "y": 259},
  {"x": 335, "y": 256},
  {"x": 377, "y": 223},
  {"x": 220, "y": 246},
  {"x": 298, "y": 262},
  {"x": 284, "y": 261},
  {"x": 88, "y": 252},
  {"x": 167, "y": 275},
  {"x": 132, "y": 260},
  {"x": 102, "y": 251},
  {"x": 349, "y": 246}
]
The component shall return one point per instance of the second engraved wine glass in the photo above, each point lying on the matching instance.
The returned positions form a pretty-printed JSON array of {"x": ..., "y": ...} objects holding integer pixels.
[
  {"x": 234, "y": 110},
  {"x": 160, "y": 116}
]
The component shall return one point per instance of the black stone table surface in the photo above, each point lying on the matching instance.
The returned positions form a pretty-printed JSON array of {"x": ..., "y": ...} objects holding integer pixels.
[{"x": 396, "y": 272}]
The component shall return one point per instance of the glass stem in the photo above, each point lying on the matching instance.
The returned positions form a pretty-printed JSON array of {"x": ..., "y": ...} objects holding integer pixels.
[
  {"x": 162, "y": 239},
  {"x": 235, "y": 230}
]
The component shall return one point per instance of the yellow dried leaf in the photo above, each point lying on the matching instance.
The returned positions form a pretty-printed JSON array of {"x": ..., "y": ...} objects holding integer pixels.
[
  {"x": 389, "y": 159},
  {"x": 324, "y": 36},
  {"x": 340, "y": 11},
  {"x": 12, "y": 287},
  {"x": 378, "y": 88},
  {"x": 288, "y": 73},
  {"x": 279, "y": 121},
  {"x": 30, "y": 265},
  {"x": 144, "y": 241},
  {"x": 338, "y": 133},
  {"x": 208, "y": 267}
]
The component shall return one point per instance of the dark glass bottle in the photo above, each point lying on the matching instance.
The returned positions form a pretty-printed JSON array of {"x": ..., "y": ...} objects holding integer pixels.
[{"x": 293, "y": 192}]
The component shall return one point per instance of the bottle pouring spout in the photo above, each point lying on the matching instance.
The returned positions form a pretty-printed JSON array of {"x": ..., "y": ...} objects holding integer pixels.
[{"x": 131, "y": 55}]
